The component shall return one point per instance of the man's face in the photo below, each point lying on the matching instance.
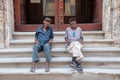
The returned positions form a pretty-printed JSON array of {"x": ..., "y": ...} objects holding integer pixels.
[
  {"x": 46, "y": 23},
  {"x": 73, "y": 24}
]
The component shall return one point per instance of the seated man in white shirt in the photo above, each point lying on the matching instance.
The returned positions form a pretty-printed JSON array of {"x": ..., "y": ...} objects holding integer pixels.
[{"x": 74, "y": 38}]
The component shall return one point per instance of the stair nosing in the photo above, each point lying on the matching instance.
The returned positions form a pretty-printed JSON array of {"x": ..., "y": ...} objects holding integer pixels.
[
  {"x": 61, "y": 59},
  {"x": 59, "y": 33},
  {"x": 87, "y": 40},
  {"x": 67, "y": 71},
  {"x": 94, "y": 49},
  {"x": 24, "y": 71}
]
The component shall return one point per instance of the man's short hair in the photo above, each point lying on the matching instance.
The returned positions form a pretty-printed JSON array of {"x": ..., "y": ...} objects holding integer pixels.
[{"x": 72, "y": 19}]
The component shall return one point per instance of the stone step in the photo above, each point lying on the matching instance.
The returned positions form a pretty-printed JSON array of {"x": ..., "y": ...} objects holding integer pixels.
[
  {"x": 61, "y": 62},
  {"x": 61, "y": 52},
  {"x": 60, "y": 35},
  {"x": 67, "y": 71},
  {"x": 24, "y": 74},
  {"x": 59, "y": 74},
  {"x": 60, "y": 43}
]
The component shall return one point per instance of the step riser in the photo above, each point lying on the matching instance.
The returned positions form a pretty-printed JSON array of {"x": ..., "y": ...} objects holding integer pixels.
[
  {"x": 62, "y": 54},
  {"x": 36, "y": 77},
  {"x": 89, "y": 36},
  {"x": 63, "y": 65},
  {"x": 104, "y": 65},
  {"x": 74, "y": 76},
  {"x": 62, "y": 44},
  {"x": 38, "y": 65}
]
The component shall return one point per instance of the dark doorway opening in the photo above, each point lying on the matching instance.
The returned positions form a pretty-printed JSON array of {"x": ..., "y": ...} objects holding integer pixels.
[
  {"x": 32, "y": 12},
  {"x": 82, "y": 10}
]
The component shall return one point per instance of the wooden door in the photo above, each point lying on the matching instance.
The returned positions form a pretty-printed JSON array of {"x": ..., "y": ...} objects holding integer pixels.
[
  {"x": 29, "y": 14},
  {"x": 87, "y": 12}
]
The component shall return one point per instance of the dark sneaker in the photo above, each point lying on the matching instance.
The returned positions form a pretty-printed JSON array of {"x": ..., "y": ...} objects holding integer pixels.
[
  {"x": 79, "y": 68},
  {"x": 72, "y": 65}
]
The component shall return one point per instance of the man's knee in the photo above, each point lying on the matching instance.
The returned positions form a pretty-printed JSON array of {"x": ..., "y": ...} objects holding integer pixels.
[
  {"x": 35, "y": 45},
  {"x": 47, "y": 45}
]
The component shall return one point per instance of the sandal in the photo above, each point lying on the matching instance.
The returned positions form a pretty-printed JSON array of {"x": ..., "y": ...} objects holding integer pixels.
[
  {"x": 47, "y": 67},
  {"x": 32, "y": 69}
]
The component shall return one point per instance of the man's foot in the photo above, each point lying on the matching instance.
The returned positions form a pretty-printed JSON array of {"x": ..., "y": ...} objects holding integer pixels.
[
  {"x": 77, "y": 67},
  {"x": 33, "y": 67},
  {"x": 73, "y": 65},
  {"x": 47, "y": 67}
]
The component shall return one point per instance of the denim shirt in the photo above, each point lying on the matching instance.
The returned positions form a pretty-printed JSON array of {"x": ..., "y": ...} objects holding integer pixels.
[{"x": 44, "y": 37}]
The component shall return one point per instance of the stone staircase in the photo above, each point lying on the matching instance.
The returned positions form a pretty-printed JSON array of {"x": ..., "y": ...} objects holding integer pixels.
[{"x": 101, "y": 61}]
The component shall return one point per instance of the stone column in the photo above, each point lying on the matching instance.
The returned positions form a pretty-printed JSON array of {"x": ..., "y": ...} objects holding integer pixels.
[
  {"x": 6, "y": 22},
  {"x": 111, "y": 20},
  {"x": 107, "y": 18},
  {"x": 2, "y": 24},
  {"x": 116, "y": 22},
  {"x": 9, "y": 21}
]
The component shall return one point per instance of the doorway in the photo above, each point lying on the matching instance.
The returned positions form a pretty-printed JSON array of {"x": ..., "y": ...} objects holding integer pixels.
[{"x": 29, "y": 14}]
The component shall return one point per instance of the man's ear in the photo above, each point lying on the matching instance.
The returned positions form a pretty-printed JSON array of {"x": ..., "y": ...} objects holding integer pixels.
[{"x": 43, "y": 22}]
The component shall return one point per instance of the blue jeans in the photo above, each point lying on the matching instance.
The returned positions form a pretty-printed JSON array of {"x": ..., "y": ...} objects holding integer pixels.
[{"x": 46, "y": 48}]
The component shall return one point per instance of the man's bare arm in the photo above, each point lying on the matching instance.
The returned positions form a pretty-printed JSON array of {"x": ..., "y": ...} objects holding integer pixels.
[
  {"x": 36, "y": 41},
  {"x": 67, "y": 41},
  {"x": 50, "y": 41}
]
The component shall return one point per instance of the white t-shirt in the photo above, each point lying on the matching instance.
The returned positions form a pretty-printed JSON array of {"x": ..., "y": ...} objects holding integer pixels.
[{"x": 73, "y": 35}]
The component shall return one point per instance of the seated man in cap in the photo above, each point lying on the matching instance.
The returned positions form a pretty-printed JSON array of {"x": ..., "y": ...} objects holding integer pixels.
[
  {"x": 43, "y": 42},
  {"x": 74, "y": 38}
]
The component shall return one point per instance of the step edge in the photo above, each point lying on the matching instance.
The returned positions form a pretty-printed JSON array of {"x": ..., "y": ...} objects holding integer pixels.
[{"x": 62, "y": 59}]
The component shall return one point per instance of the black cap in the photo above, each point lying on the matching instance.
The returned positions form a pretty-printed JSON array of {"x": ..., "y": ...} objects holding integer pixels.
[{"x": 72, "y": 19}]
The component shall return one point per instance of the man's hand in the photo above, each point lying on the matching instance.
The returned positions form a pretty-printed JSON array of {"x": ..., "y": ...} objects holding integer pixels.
[
  {"x": 67, "y": 41},
  {"x": 36, "y": 41},
  {"x": 81, "y": 42},
  {"x": 50, "y": 41}
]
